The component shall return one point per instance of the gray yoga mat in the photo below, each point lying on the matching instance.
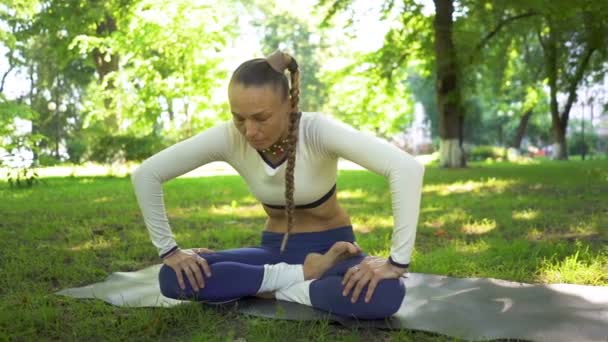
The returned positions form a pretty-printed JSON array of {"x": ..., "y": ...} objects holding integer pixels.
[{"x": 466, "y": 308}]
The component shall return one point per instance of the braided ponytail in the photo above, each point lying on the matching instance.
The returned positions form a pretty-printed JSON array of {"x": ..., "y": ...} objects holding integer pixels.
[{"x": 292, "y": 138}]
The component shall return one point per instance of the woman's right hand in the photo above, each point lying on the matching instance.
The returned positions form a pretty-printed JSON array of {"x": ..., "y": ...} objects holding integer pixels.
[{"x": 190, "y": 263}]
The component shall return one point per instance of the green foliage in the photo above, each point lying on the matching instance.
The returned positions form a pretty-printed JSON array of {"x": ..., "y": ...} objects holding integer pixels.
[
  {"x": 367, "y": 100},
  {"x": 20, "y": 173},
  {"x": 582, "y": 142},
  {"x": 156, "y": 68},
  {"x": 123, "y": 148},
  {"x": 169, "y": 65},
  {"x": 129, "y": 66},
  {"x": 76, "y": 149},
  {"x": 295, "y": 34},
  {"x": 486, "y": 152},
  {"x": 423, "y": 91}
]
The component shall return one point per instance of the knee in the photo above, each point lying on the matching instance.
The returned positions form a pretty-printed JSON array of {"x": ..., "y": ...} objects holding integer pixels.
[
  {"x": 169, "y": 286},
  {"x": 387, "y": 298},
  {"x": 326, "y": 294}
]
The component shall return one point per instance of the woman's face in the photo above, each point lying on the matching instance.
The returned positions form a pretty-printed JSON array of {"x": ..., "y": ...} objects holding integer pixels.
[{"x": 259, "y": 113}]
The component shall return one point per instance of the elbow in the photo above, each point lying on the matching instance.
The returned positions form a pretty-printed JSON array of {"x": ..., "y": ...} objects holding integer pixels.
[
  {"x": 135, "y": 174},
  {"x": 414, "y": 168},
  {"x": 421, "y": 169}
]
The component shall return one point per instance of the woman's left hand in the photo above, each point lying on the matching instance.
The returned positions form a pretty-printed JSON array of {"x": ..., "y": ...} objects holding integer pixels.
[{"x": 369, "y": 272}]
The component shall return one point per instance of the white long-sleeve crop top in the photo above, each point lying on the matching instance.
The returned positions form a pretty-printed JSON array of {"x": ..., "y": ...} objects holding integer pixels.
[{"x": 322, "y": 140}]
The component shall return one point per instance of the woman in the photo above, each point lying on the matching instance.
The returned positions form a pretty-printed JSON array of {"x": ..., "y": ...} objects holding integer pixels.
[{"x": 308, "y": 252}]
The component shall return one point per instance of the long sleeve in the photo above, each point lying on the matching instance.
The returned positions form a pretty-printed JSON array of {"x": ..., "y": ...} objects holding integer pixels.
[
  {"x": 404, "y": 173},
  {"x": 207, "y": 146}
]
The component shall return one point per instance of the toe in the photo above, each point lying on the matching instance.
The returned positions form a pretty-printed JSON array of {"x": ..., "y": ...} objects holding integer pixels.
[{"x": 339, "y": 247}]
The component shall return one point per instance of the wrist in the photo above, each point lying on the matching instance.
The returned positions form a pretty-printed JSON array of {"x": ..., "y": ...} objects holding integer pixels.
[
  {"x": 169, "y": 252},
  {"x": 402, "y": 267}
]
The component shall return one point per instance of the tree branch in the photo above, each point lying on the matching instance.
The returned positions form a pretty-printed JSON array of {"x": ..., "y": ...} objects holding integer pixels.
[
  {"x": 495, "y": 31},
  {"x": 4, "y": 78},
  {"x": 578, "y": 76},
  {"x": 500, "y": 25}
]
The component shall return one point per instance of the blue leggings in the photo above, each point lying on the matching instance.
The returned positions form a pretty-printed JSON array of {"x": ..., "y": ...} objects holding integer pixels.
[{"x": 238, "y": 273}]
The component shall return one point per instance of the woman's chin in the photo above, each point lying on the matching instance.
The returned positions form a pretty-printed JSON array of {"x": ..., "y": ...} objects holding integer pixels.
[{"x": 258, "y": 145}]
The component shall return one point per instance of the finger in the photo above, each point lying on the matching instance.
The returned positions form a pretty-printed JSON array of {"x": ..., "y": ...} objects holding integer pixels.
[
  {"x": 371, "y": 288},
  {"x": 198, "y": 275},
  {"x": 205, "y": 266},
  {"x": 360, "y": 284},
  {"x": 351, "y": 282},
  {"x": 348, "y": 274},
  {"x": 180, "y": 278},
  {"x": 190, "y": 277},
  {"x": 204, "y": 250}
]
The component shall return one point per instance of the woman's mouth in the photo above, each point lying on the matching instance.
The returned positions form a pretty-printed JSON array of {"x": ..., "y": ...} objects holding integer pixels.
[{"x": 257, "y": 142}]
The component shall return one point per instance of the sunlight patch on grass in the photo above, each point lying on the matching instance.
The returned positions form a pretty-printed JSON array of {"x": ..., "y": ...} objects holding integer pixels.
[
  {"x": 97, "y": 243},
  {"x": 241, "y": 211},
  {"x": 451, "y": 216},
  {"x": 534, "y": 234},
  {"x": 181, "y": 212},
  {"x": 584, "y": 227},
  {"x": 490, "y": 185},
  {"x": 102, "y": 200},
  {"x": 580, "y": 268},
  {"x": 471, "y": 248},
  {"x": 357, "y": 193},
  {"x": 525, "y": 215},
  {"x": 369, "y": 223},
  {"x": 479, "y": 227}
]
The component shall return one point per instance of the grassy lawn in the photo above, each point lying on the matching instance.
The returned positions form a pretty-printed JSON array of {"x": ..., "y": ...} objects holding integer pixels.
[{"x": 543, "y": 223}]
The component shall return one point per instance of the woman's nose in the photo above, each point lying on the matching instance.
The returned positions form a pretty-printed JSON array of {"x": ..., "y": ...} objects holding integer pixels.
[{"x": 251, "y": 129}]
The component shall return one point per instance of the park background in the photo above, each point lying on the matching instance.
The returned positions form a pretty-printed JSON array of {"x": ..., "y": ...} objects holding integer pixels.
[{"x": 504, "y": 102}]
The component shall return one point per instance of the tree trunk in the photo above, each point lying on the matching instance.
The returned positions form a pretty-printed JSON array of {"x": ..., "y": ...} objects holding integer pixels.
[
  {"x": 451, "y": 116},
  {"x": 521, "y": 129},
  {"x": 34, "y": 121},
  {"x": 560, "y": 145},
  {"x": 559, "y": 122},
  {"x": 105, "y": 64},
  {"x": 560, "y": 151}
]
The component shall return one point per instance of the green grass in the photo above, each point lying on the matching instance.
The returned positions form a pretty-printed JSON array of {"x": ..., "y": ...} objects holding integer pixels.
[{"x": 543, "y": 223}]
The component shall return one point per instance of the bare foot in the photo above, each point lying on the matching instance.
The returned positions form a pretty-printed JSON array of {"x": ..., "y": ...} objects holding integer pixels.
[{"x": 315, "y": 264}]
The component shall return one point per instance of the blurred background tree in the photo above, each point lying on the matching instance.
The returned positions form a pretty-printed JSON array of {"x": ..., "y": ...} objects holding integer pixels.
[{"x": 116, "y": 81}]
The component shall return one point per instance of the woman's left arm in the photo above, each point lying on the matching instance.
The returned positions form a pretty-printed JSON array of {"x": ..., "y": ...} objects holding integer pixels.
[{"x": 405, "y": 175}]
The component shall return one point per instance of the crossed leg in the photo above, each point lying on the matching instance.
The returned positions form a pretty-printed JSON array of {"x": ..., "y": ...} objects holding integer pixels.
[
  {"x": 238, "y": 273},
  {"x": 235, "y": 273},
  {"x": 326, "y": 294},
  {"x": 241, "y": 272}
]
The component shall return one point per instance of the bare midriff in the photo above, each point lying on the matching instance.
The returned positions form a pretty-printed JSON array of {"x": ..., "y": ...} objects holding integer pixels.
[{"x": 326, "y": 216}]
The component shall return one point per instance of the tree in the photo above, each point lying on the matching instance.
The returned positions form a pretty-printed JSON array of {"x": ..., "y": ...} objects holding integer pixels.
[
  {"x": 451, "y": 113},
  {"x": 117, "y": 67},
  {"x": 574, "y": 39},
  {"x": 282, "y": 28},
  {"x": 409, "y": 40}
]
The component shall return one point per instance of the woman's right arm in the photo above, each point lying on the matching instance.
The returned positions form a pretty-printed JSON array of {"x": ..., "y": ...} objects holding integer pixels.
[{"x": 207, "y": 146}]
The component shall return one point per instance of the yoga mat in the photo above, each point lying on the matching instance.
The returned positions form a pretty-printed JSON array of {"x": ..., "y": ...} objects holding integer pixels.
[{"x": 466, "y": 308}]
